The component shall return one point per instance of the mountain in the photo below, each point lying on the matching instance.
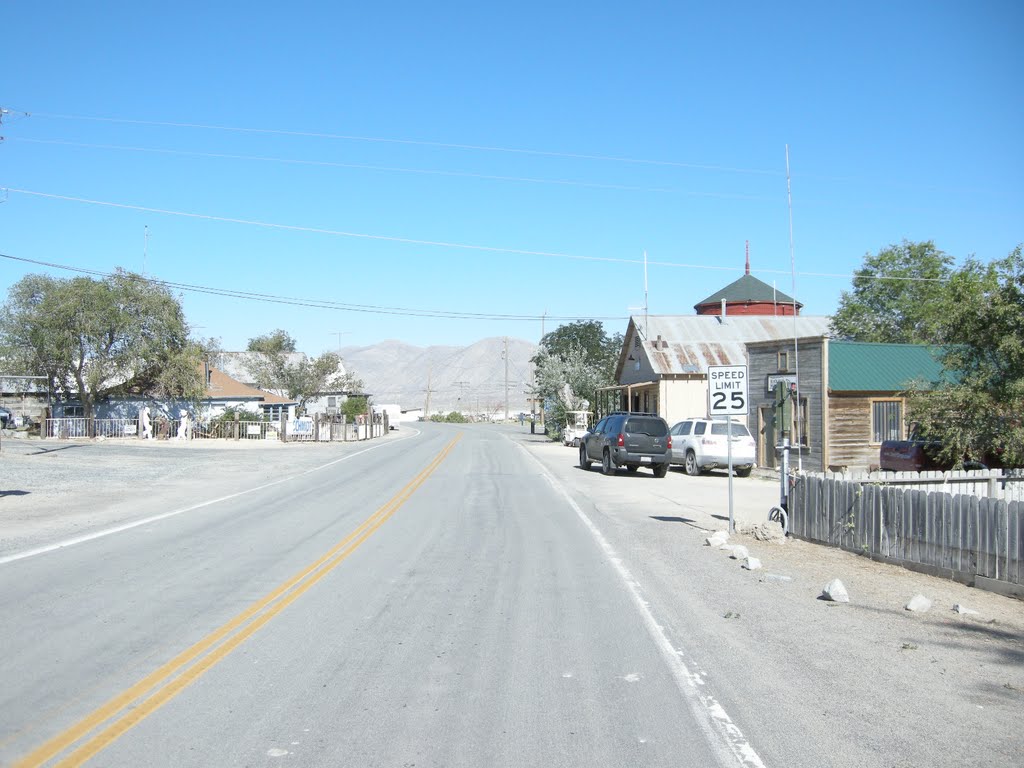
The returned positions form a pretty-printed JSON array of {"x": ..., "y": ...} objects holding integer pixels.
[{"x": 468, "y": 379}]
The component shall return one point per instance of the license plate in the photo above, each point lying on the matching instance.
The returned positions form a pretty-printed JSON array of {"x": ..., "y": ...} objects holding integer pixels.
[{"x": 646, "y": 458}]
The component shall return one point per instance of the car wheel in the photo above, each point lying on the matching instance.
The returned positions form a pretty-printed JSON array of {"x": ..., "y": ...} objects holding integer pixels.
[
  {"x": 584, "y": 459},
  {"x": 660, "y": 470},
  {"x": 743, "y": 472},
  {"x": 691, "y": 464},
  {"x": 606, "y": 462}
]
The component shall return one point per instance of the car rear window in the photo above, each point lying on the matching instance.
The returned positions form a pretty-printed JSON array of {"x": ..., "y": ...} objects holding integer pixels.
[
  {"x": 738, "y": 430},
  {"x": 639, "y": 425}
]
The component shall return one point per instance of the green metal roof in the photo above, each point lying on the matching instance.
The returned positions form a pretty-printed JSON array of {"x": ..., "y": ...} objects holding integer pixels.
[
  {"x": 863, "y": 367},
  {"x": 748, "y": 288}
]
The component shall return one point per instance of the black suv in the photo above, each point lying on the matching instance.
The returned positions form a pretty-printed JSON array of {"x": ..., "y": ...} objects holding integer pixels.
[{"x": 629, "y": 440}]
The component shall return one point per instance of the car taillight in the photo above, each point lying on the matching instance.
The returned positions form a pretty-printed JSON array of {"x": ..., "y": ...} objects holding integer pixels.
[
  {"x": 669, "y": 442},
  {"x": 621, "y": 441}
]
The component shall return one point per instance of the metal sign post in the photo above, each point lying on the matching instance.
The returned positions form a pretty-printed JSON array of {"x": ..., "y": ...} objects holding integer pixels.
[{"x": 727, "y": 396}]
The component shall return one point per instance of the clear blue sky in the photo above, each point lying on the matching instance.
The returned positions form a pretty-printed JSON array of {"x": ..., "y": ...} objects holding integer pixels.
[{"x": 536, "y": 131}]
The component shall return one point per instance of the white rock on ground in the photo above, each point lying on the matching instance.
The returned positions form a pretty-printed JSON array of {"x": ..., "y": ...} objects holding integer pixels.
[
  {"x": 717, "y": 539},
  {"x": 919, "y": 603},
  {"x": 964, "y": 610},
  {"x": 836, "y": 592},
  {"x": 752, "y": 564},
  {"x": 739, "y": 552}
]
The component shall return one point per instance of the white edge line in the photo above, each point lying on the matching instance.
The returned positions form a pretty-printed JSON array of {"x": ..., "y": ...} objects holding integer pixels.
[
  {"x": 723, "y": 735},
  {"x": 154, "y": 518}
]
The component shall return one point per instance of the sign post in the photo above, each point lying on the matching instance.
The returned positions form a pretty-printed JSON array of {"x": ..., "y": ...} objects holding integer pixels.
[{"x": 727, "y": 396}]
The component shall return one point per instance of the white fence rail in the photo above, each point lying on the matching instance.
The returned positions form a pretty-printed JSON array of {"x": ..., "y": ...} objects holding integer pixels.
[{"x": 296, "y": 430}]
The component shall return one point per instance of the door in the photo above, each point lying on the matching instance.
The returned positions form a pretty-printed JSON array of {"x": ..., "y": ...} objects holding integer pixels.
[{"x": 766, "y": 437}]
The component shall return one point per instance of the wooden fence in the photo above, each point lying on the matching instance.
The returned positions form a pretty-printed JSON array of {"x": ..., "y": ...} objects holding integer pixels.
[{"x": 961, "y": 536}]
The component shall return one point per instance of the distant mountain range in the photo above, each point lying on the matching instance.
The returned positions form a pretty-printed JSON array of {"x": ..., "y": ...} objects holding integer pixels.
[{"x": 467, "y": 379}]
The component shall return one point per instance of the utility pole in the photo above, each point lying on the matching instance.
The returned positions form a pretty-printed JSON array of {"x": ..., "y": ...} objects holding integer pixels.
[
  {"x": 426, "y": 405},
  {"x": 505, "y": 355},
  {"x": 145, "y": 248},
  {"x": 462, "y": 391}
]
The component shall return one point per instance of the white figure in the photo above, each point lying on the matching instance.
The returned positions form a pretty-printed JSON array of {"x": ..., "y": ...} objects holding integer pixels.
[
  {"x": 147, "y": 425},
  {"x": 185, "y": 426}
]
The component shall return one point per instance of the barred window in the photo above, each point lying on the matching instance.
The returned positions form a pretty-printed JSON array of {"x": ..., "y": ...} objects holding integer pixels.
[{"x": 886, "y": 420}]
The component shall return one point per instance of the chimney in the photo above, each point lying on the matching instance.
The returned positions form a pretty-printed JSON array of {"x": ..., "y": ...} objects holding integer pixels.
[{"x": 723, "y": 311}]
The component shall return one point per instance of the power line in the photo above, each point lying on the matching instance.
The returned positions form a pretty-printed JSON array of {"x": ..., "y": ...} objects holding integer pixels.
[
  {"x": 414, "y": 142},
  {"x": 301, "y": 302},
  {"x": 431, "y": 243}
]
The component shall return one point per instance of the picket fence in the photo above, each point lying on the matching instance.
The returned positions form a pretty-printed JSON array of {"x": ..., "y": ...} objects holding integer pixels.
[{"x": 960, "y": 536}]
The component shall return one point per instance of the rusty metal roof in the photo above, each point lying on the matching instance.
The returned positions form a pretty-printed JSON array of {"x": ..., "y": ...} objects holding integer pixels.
[{"x": 680, "y": 344}]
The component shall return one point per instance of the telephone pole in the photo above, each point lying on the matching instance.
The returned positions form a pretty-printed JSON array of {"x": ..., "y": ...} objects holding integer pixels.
[
  {"x": 505, "y": 355},
  {"x": 426, "y": 405}
]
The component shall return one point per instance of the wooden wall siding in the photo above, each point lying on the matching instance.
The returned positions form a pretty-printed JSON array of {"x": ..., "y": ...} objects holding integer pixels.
[
  {"x": 959, "y": 536},
  {"x": 762, "y": 359},
  {"x": 849, "y": 425}
]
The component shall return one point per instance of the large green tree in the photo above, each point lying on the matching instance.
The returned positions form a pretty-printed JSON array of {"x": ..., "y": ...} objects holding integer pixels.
[
  {"x": 277, "y": 367},
  {"x": 573, "y": 361},
  {"x": 979, "y": 413},
  {"x": 96, "y": 338},
  {"x": 901, "y": 294}
]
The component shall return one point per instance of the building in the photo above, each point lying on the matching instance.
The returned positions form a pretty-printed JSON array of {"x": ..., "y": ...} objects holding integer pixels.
[{"x": 850, "y": 396}]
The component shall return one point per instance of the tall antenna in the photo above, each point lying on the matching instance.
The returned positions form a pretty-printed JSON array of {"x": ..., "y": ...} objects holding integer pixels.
[
  {"x": 796, "y": 345},
  {"x": 747, "y": 271},
  {"x": 145, "y": 247},
  {"x": 647, "y": 329}
]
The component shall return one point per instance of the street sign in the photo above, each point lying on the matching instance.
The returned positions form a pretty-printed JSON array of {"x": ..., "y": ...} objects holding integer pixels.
[{"x": 727, "y": 390}]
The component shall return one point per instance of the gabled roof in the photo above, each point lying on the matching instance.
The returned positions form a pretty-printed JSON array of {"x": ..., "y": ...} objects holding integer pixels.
[
  {"x": 678, "y": 344},
  {"x": 865, "y": 367},
  {"x": 748, "y": 288},
  {"x": 223, "y": 387}
]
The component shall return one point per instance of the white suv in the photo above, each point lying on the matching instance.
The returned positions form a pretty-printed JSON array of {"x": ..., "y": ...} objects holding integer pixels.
[{"x": 700, "y": 444}]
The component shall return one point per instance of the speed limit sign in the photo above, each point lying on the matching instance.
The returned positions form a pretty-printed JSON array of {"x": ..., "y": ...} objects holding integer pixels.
[{"x": 727, "y": 390}]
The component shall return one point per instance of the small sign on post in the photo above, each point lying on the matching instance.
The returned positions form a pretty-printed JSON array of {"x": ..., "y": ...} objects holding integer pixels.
[{"x": 727, "y": 396}]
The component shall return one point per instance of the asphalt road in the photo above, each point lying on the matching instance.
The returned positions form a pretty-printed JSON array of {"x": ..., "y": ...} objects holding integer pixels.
[
  {"x": 475, "y": 620},
  {"x": 454, "y": 596}
]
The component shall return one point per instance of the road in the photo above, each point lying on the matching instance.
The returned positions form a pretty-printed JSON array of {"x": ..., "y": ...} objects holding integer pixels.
[{"x": 454, "y": 596}]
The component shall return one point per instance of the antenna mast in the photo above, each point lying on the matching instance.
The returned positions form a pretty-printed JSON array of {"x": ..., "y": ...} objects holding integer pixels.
[{"x": 796, "y": 344}]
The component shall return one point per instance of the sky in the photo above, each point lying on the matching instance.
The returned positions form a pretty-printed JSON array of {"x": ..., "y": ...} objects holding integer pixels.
[{"x": 444, "y": 172}]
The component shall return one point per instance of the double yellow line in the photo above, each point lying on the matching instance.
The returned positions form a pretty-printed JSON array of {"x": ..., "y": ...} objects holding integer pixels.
[{"x": 163, "y": 684}]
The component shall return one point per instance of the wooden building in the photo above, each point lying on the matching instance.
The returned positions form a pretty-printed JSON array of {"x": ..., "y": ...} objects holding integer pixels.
[{"x": 850, "y": 395}]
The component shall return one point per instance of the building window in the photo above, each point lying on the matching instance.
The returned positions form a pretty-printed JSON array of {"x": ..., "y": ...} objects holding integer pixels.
[
  {"x": 783, "y": 360},
  {"x": 332, "y": 402},
  {"x": 886, "y": 420}
]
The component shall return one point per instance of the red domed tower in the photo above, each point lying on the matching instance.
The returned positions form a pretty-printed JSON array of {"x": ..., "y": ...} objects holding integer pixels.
[{"x": 749, "y": 296}]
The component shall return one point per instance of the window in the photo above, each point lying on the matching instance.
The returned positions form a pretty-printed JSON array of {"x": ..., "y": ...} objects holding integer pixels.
[
  {"x": 886, "y": 420},
  {"x": 783, "y": 360},
  {"x": 700, "y": 427},
  {"x": 332, "y": 402}
]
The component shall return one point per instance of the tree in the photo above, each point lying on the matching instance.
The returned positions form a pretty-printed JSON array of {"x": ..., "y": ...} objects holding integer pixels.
[
  {"x": 979, "y": 412},
  {"x": 573, "y": 361},
  {"x": 272, "y": 343},
  {"x": 901, "y": 294},
  {"x": 354, "y": 406},
  {"x": 96, "y": 338},
  {"x": 277, "y": 367}
]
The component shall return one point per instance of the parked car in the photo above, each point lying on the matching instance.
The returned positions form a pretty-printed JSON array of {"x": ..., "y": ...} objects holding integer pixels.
[
  {"x": 918, "y": 454},
  {"x": 629, "y": 440},
  {"x": 6, "y": 417},
  {"x": 701, "y": 444}
]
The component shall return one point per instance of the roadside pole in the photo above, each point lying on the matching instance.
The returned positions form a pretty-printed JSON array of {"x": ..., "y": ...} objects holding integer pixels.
[{"x": 727, "y": 396}]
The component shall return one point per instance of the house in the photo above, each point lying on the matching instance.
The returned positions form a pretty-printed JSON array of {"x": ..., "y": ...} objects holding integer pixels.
[
  {"x": 850, "y": 396},
  {"x": 222, "y": 392},
  {"x": 237, "y": 366},
  {"x": 26, "y": 397},
  {"x": 664, "y": 361}
]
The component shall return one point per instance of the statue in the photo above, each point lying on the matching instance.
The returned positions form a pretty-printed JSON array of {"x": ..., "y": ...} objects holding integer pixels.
[
  {"x": 145, "y": 423},
  {"x": 185, "y": 426}
]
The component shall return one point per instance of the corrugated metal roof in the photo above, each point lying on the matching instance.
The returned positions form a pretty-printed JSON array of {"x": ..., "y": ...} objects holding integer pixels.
[
  {"x": 748, "y": 288},
  {"x": 690, "y": 343},
  {"x": 864, "y": 367}
]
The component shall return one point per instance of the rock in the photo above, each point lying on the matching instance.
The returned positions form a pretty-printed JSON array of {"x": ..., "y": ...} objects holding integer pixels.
[
  {"x": 752, "y": 564},
  {"x": 776, "y": 577},
  {"x": 764, "y": 531},
  {"x": 836, "y": 592},
  {"x": 717, "y": 539},
  {"x": 739, "y": 552},
  {"x": 919, "y": 603},
  {"x": 964, "y": 610}
]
